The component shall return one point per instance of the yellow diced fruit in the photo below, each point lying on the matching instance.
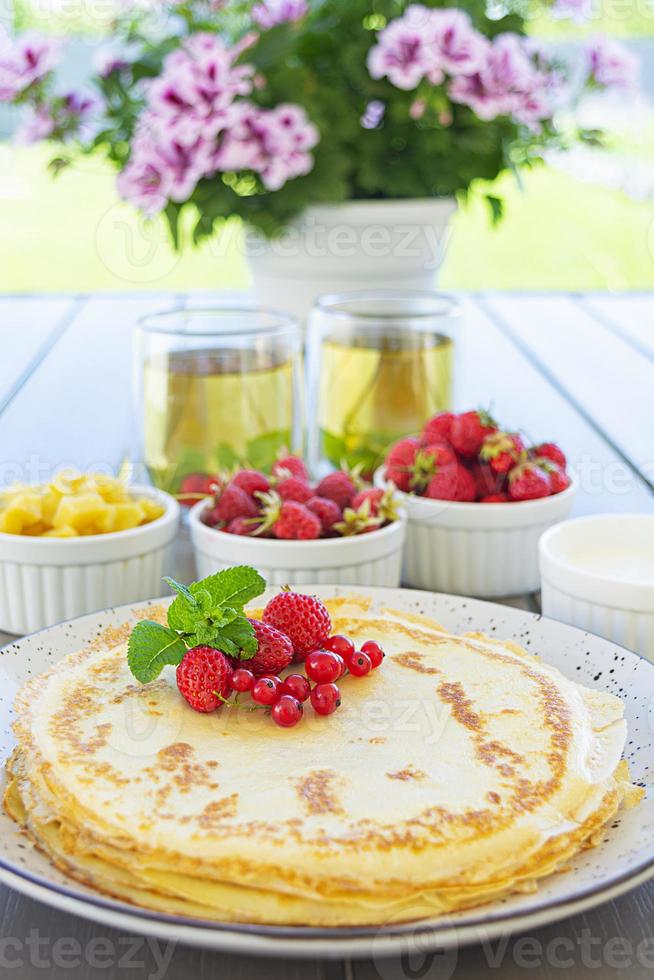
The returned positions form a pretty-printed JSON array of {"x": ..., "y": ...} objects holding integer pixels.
[
  {"x": 128, "y": 515},
  {"x": 35, "y": 530},
  {"x": 79, "y": 512},
  {"x": 27, "y": 506},
  {"x": 50, "y": 502},
  {"x": 10, "y": 522},
  {"x": 151, "y": 509},
  {"x": 61, "y": 532}
]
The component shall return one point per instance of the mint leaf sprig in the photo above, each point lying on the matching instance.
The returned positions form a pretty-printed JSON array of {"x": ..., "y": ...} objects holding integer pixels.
[{"x": 206, "y": 612}]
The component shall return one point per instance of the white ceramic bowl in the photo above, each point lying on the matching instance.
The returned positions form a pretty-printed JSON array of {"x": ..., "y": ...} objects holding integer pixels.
[
  {"x": 374, "y": 558},
  {"x": 597, "y": 572},
  {"x": 44, "y": 581},
  {"x": 474, "y": 549}
]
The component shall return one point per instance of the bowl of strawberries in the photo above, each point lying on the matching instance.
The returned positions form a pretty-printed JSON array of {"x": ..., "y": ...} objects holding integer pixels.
[
  {"x": 339, "y": 530},
  {"x": 478, "y": 497}
]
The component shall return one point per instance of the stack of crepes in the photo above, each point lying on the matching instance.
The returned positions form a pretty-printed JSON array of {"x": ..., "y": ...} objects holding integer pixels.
[{"x": 462, "y": 770}]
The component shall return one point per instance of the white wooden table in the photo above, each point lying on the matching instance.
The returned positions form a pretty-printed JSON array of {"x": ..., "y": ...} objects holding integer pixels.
[{"x": 578, "y": 369}]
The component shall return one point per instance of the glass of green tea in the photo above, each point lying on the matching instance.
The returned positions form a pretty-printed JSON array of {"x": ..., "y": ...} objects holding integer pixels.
[
  {"x": 216, "y": 389},
  {"x": 379, "y": 365}
]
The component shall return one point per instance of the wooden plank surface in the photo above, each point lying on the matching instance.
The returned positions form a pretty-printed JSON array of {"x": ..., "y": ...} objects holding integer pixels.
[
  {"x": 28, "y": 329},
  {"x": 76, "y": 408},
  {"x": 606, "y": 379},
  {"x": 632, "y": 317}
]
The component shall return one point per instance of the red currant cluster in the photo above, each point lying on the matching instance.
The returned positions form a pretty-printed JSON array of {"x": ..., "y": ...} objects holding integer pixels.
[{"x": 286, "y": 697}]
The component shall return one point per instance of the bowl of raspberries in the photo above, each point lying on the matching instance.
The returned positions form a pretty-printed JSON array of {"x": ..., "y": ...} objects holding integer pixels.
[
  {"x": 339, "y": 530},
  {"x": 477, "y": 497}
]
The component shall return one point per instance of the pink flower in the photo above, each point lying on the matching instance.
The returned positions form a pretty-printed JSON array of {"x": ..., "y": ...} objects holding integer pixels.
[
  {"x": 275, "y": 143},
  {"x": 29, "y": 61},
  {"x": 108, "y": 60},
  {"x": 426, "y": 43},
  {"x": 509, "y": 84},
  {"x": 401, "y": 53},
  {"x": 38, "y": 125},
  {"x": 62, "y": 116},
  {"x": 270, "y": 13},
  {"x": 459, "y": 48},
  {"x": 200, "y": 78},
  {"x": 146, "y": 181},
  {"x": 610, "y": 64}
]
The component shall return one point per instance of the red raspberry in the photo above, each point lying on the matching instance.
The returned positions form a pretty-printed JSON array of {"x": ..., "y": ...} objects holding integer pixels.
[
  {"x": 303, "y": 618},
  {"x": 437, "y": 429},
  {"x": 528, "y": 482},
  {"x": 399, "y": 461},
  {"x": 549, "y": 450},
  {"x": 195, "y": 486},
  {"x": 326, "y": 510},
  {"x": 469, "y": 430},
  {"x": 325, "y": 699},
  {"x": 274, "y": 654},
  {"x": 293, "y": 488},
  {"x": 465, "y": 487},
  {"x": 252, "y": 481},
  {"x": 339, "y": 487},
  {"x": 202, "y": 672},
  {"x": 502, "y": 450},
  {"x": 296, "y": 523},
  {"x": 242, "y": 526},
  {"x": 288, "y": 465},
  {"x": 233, "y": 502},
  {"x": 494, "y": 498},
  {"x": 287, "y": 712}
]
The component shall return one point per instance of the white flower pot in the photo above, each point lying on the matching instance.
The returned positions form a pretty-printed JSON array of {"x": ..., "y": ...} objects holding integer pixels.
[
  {"x": 374, "y": 558},
  {"x": 342, "y": 247}
]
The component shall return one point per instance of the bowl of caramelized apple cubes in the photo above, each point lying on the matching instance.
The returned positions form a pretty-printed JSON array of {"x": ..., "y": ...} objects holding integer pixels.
[{"x": 80, "y": 543}]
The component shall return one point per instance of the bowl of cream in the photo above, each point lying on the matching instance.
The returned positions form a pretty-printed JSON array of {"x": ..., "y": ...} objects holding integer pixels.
[{"x": 597, "y": 573}]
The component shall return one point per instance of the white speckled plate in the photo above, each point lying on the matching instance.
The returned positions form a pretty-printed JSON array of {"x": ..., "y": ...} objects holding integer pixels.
[{"x": 623, "y": 860}]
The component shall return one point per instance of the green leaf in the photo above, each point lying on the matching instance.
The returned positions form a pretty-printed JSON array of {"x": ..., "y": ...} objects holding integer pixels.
[
  {"x": 182, "y": 590},
  {"x": 231, "y": 587},
  {"x": 226, "y": 457},
  {"x": 239, "y": 634},
  {"x": 496, "y": 205},
  {"x": 151, "y": 646},
  {"x": 262, "y": 451}
]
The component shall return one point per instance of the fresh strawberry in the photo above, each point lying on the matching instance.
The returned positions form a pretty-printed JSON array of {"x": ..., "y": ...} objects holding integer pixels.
[
  {"x": 466, "y": 489},
  {"x": 494, "y": 498},
  {"x": 559, "y": 479},
  {"x": 399, "y": 461},
  {"x": 429, "y": 461},
  {"x": 443, "y": 485},
  {"x": 203, "y": 674},
  {"x": 468, "y": 431},
  {"x": 502, "y": 450},
  {"x": 275, "y": 651},
  {"x": 244, "y": 526},
  {"x": 527, "y": 481},
  {"x": 549, "y": 450},
  {"x": 339, "y": 487},
  {"x": 296, "y": 523},
  {"x": 195, "y": 486},
  {"x": 252, "y": 481},
  {"x": 382, "y": 503},
  {"x": 303, "y": 618},
  {"x": 326, "y": 510},
  {"x": 437, "y": 429},
  {"x": 487, "y": 481},
  {"x": 294, "y": 488},
  {"x": 233, "y": 502},
  {"x": 288, "y": 465}
]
